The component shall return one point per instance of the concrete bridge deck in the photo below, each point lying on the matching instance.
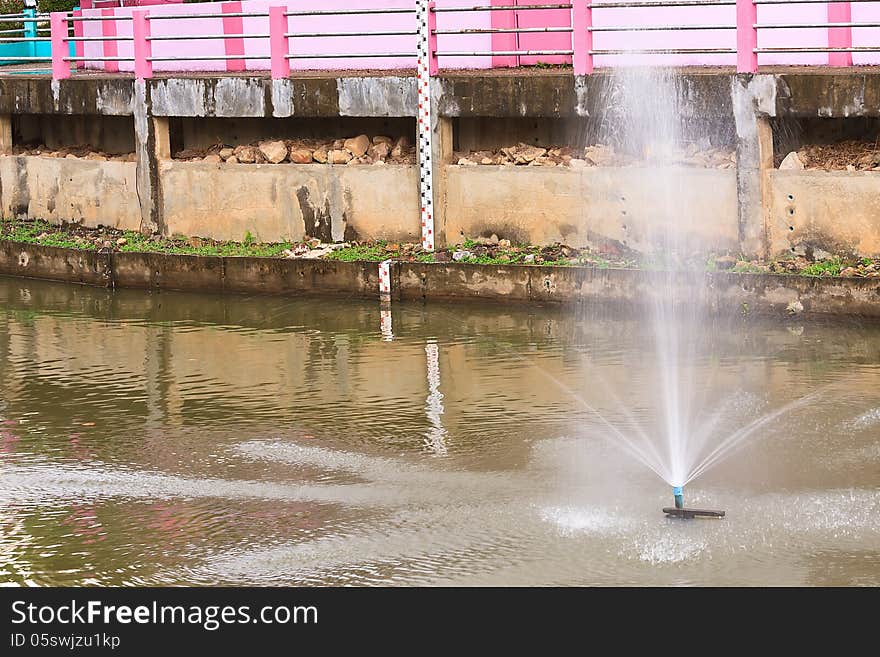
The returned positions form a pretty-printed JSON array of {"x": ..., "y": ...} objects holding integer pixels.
[
  {"x": 752, "y": 208},
  {"x": 528, "y": 92}
]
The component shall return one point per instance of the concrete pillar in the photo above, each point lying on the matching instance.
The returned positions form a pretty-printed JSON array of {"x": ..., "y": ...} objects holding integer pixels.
[
  {"x": 146, "y": 159},
  {"x": 441, "y": 155},
  {"x": 754, "y": 102},
  {"x": 162, "y": 130},
  {"x": 5, "y": 133}
]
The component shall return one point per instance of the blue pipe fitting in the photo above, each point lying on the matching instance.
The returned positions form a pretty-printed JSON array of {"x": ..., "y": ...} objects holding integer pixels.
[{"x": 679, "y": 497}]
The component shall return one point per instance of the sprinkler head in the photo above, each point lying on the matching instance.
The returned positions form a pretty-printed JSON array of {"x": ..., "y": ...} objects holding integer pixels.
[{"x": 678, "y": 511}]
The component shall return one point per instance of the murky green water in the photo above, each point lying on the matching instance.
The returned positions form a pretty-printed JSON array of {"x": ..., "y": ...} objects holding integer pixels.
[{"x": 178, "y": 439}]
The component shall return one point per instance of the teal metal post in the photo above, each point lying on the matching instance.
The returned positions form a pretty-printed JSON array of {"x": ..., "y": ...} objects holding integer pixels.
[
  {"x": 77, "y": 46},
  {"x": 30, "y": 31}
]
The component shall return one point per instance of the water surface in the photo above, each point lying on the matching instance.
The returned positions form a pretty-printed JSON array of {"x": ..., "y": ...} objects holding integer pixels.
[{"x": 182, "y": 439}]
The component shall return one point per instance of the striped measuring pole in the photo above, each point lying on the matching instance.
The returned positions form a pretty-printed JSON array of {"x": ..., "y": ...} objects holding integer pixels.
[
  {"x": 385, "y": 301},
  {"x": 423, "y": 79}
]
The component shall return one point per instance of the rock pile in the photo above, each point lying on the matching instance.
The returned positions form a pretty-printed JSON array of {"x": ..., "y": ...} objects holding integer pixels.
[
  {"x": 842, "y": 156},
  {"x": 596, "y": 155},
  {"x": 73, "y": 152},
  {"x": 356, "y": 150}
]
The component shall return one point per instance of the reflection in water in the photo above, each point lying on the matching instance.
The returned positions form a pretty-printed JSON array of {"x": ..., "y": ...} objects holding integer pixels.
[
  {"x": 169, "y": 438},
  {"x": 385, "y": 324},
  {"x": 435, "y": 439}
]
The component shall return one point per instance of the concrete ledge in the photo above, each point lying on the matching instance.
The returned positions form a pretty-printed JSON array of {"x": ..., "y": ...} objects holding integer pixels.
[
  {"x": 809, "y": 92},
  {"x": 40, "y": 95},
  {"x": 55, "y": 264},
  {"x": 725, "y": 293}
]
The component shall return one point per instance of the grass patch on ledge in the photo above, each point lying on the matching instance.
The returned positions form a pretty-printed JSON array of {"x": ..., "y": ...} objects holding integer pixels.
[
  {"x": 128, "y": 241},
  {"x": 480, "y": 251}
]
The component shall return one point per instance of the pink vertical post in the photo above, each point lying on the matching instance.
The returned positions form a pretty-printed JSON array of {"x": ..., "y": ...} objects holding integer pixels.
[
  {"x": 840, "y": 37},
  {"x": 504, "y": 41},
  {"x": 278, "y": 43},
  {"x": 143, "y": 47},
  {"x": 746, "y": 36},
  {"x": 233, "y": 25},
  {"x": 582, "y": 37},
  {"x": 60, "y": 50},
  {"x": 111, "y": 45},
  {"x": 433, "y": 64},
  {"x": 79, "y": 46}
]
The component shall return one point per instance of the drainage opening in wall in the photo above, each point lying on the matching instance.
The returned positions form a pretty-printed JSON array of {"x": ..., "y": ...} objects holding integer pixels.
[
  {"x": 826, "y": 144},
  {"x": 75, "y": 136},
  {"x": 575, "y": 142}
]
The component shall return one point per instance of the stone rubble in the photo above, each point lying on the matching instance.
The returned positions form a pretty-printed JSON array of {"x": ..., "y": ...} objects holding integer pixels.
[
  {"x": 848, "y": 155},
  {"x": 361, "y": 149},
  {"x": 86, "y": 152},
  {"x": 791, "y": 162},
  {"x": 595, "y": 155}
]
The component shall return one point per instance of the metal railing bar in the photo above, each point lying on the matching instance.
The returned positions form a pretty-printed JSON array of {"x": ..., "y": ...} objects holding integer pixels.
[
  {"x": 98, "y": 59},
  {"x": 505, "y": 30},
  {"x": 804, "y": 2},
  {"x": 438, "y": 10},
  {"x": 100, "y": 38},
  {"x": 667, "y": 51},
  {"x": 792, "y": 26},
  {"x": 23, "y": 39},
  {"x": 198, "y": 58},
  {"x": 350, "y": 34},
  {"x": 28, "y": 59},
  {"x": 234, "y": 14},
  {"x": 74, "y": 19},
  {"x": 404, "y": 55},
  {"x": 187, "y": 37},
  {"x": 818, "y": 49},
  {"x": 662, "y": 3},
  {"x": 506, "y": 53},
  {"x": 347, "y": 12},
  {"x": 658, "y": 28}
]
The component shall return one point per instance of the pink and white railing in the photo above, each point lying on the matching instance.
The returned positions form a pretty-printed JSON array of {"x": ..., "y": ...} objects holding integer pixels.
[{"x": 265, "y": 35}]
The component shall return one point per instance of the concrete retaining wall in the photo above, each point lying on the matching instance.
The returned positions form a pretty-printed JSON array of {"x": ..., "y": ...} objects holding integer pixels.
[
  {"x": 744, "y": 294},
  {"x": 581, "y": 207},
  {"x": 290, "y": 202},
  {"x": 90, "y": 192},
  {"x": 838, "y": 211},
  {"x": 617, "y": 206}
]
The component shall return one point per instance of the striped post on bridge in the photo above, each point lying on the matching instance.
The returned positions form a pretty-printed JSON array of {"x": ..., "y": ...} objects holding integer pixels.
[
  {"x": 109, "y": 45},
  {"x": 582, "y": 37},
  {"x": 423, "y": 125},
  {"x": 279, "y": 46},
  {"x": 746, "y": 36},
  {"x": 143, "y": 47},
  {"x": 60, "y": 49},
  {"x": 233, "y": 45},
  {"x": 840, "y": 37}
]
